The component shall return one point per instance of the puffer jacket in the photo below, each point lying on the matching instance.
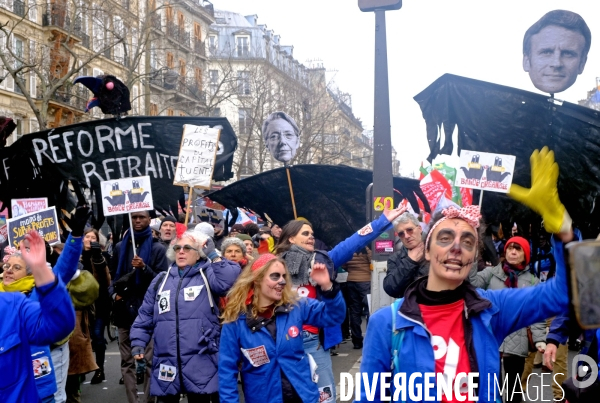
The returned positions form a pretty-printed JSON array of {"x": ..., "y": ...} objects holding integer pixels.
[
  {"x": 516, "y": 343},
  {"x": 401, "y": 272},
  {"x": 186, "y": 335}
]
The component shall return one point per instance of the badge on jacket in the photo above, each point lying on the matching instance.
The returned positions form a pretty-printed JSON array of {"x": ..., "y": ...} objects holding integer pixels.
[
  {"x": 164, "y": 304},
  {"x": 366, "y": 230},
  {"x": 257, "y": 356},
  {"x": 191, "y": 293},
  {"x": 41, "y": 367},
  {"x": 167, "y": 373}
]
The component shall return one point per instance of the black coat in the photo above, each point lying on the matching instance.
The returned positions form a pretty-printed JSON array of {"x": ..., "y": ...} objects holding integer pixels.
[{"x": 401, "y": 272}]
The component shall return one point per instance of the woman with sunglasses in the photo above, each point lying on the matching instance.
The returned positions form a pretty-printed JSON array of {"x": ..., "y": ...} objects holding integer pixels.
[
  {"x": 262, "y": 330},
  {"x": 180, "y": 313}
]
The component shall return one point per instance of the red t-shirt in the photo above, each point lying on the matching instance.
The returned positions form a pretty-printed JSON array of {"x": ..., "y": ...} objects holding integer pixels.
[
  {"x": 308, "y": 291},
  {"x": 445, "y": 322}
]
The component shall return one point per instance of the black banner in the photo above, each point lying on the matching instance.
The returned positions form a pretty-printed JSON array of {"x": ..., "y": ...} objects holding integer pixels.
[{"x": 40, "y": 164}]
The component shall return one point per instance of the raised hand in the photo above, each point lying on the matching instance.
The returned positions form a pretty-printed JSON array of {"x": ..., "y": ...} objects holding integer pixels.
[
  {"x": 320, "y": 275},
  {"x": 78, "y": 220},
  {"x": 391, "y": 215},
  {"x": 35, "y": 258}
]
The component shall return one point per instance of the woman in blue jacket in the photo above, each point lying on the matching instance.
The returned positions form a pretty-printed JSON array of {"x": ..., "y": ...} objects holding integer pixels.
[
  {"x": 444, "y": 326},
  {"x": 24, "y": 322},
  {"x": 180, "y": 314},
  {"x": 262, "y": 332},
  {"x": 296, "y": 247}
]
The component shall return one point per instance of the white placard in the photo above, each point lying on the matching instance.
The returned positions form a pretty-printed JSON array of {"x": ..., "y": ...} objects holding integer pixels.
[
  {"x": 127, "y": 195},
  {"x": 197, "y": 156},
  {"x": 26, "y": 206},
  {"x": 486, "y": 171}
]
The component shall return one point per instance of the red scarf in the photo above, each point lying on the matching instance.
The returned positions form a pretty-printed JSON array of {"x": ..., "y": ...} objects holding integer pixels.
[{"x": 513, "y": 274}]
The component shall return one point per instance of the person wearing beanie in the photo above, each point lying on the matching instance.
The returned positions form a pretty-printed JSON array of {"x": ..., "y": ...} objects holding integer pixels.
[
  {"x": 515, "y": 272},
  {"x": 206, "y": 229},
  {"x": 274, "y": 366},
  {"x": 167, "y": 230},
  {"x": 247, "y": 240}
]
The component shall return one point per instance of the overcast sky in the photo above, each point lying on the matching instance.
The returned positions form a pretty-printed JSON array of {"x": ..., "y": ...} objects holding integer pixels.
[{"x": 480, "y": 39}]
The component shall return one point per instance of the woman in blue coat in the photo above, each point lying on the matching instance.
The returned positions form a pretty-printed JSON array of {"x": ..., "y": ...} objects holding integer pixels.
[
  {"x": 262, "y": 332},
  {"x": 24, "y": 322},
  {"x": 180, "y": 314},
  {"x": 296, "y": 247},
  {"x": 444, "y": 326}
]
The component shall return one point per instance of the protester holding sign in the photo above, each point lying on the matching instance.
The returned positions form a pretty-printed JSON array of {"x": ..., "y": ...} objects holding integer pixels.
[
  {"x": 132, "y": 274},
  {"x": 180, "y": 314},
  {"x": 467, "y": 324}
]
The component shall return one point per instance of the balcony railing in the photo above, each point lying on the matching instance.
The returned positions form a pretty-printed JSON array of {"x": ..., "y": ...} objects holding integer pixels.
[
  {"x": 178, "y": 34},
  {"x": 156, "y": 21},
  {"x": 75, "y": 97},
  {"x": 56, "y": 15},
  {"x": 19, "y": 8},
  {"x": 85, "y": 40},
  {"x": 170, "y": 80},
  {"x": 199, "y": 47}
]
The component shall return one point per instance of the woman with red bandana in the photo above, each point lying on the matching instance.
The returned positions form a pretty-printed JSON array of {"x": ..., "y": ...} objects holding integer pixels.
[
  {"x": 444, "y": 328},
  {"x": 514, "y": 272}
]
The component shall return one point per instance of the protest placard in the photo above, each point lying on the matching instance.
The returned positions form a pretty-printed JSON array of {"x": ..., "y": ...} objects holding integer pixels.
[
  {"x": 127, "y": 195},
  {"x": 43, "y": 221},
  {"x": 485, "y": 171},
  {"x": 25, "y": 206},
  {"x": 197, "y": 156},
  {"x": 211, "y": 216}
]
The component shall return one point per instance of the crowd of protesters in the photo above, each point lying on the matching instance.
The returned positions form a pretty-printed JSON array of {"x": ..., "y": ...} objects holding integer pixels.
[{"x": 200, "y": 310}]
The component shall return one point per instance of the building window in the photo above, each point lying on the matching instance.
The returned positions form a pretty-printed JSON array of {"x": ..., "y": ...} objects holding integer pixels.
[
  {"x": 170, "y": 112},
  {"x": 213, "y": 76},
  {"x": 170, "y": 60},
  {"x": 244, "y": 121},
  {"x": 242, "y": 45},
  {"x": 198, "y": 78},
  {"x": 153, "y": 109},
  {"x": 213, "y": 44},
  {"x": 243, "y": 82},
  {"x": 215, "y": 113}
]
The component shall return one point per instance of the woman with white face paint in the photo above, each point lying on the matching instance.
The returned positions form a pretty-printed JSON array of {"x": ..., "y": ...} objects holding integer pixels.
[
  {"x": 262, "y": 329},
  {"x": 446, "y": 327}
]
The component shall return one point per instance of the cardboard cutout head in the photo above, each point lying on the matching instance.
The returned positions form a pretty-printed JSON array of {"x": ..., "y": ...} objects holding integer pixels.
[
  {"x": 555, "y": 50},
  {"x": 281, "y": 135}
]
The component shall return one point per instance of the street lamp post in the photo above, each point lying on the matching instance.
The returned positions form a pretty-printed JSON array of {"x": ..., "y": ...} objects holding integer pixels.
[{"x": 381, "y": 194}]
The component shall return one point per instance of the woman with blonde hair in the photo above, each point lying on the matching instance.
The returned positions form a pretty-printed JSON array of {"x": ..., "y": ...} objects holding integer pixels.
[{"x": 262, "y": 330}]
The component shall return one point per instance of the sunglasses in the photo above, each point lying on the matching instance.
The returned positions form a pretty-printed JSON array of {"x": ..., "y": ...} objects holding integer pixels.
[
  {"x": 276, "y": 276},
  {"x": 13, "y": 268},
  {"x": 408, "y": 231},
  {"x": 186, "y": 248}
]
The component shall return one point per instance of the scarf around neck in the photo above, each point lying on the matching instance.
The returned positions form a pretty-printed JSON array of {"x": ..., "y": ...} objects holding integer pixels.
[
  {"x": 512, "y": 272},
  {"x": 24, "y": 285},
  {"x": 299, "y": 263},
  {"x": 144, "y": 250}
]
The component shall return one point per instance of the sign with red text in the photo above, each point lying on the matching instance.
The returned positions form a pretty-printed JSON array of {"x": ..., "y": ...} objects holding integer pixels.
[
  {"x": 197, "y": 156},
  {"x": 126, "y": 195},
  {"x": 485, "y": 171},
  {"x": 21, "y": 207}
]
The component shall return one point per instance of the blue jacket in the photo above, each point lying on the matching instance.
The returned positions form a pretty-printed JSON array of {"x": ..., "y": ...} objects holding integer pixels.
[
  {"x": 65, "y": 269},
  {"x": 507, "y": 310},
  {"x": 341, "y": 254},
  {"x": 23, "y": 321},
  {"x": 186, "y": 337},
  {"x": 263, "y": 383}
]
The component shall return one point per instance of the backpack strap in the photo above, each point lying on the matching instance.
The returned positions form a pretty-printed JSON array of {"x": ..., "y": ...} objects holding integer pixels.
[{"x": 397, "y": 337}]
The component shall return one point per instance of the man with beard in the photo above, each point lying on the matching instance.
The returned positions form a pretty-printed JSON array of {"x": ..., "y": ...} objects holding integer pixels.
[
  {"x": 168, "y": 230},
  {"x": 407, "y": 264}
]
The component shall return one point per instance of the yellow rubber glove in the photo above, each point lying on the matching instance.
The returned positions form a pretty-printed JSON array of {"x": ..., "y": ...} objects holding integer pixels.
[{"x": 543, "y": 195}]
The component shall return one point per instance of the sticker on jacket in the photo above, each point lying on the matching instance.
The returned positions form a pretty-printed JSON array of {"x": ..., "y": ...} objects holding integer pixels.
[
  {"x": 326, "y": 394},
  {"x": 167, "y": 373},
  {"x": 366, "y": 230},
  {"x": 257, "y": 356},
  {"x": 41, "y": 367},
  {"x": 164, "y": 305},
  {"x": 191, "y": 293}
]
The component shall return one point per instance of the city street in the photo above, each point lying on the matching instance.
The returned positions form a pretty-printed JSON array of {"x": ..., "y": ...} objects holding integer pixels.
[{"x": 348, "y": 360}]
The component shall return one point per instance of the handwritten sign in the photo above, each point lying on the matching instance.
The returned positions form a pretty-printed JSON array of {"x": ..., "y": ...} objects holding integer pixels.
[
  {"x": 197, "y": 156},
  {"x": 126, "y": 195},
  {"x": 25, "y": 206},
  {"x": 43, "y": 221},
  {"x": 485, "y": 171}
]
